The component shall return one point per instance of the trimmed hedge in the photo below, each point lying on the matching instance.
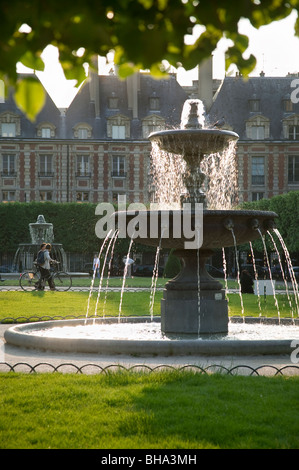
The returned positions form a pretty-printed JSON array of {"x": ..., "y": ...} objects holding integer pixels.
[
  {"x": 73, "y": 224},
  {"x": 286, "y": 207}
]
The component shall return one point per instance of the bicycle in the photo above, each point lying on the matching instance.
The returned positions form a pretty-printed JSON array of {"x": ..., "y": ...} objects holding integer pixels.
[{"x": 30, "y": 280}]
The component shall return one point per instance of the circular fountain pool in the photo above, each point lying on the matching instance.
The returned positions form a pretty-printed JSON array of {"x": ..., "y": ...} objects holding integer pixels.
[{"x": 140, "y": 336}]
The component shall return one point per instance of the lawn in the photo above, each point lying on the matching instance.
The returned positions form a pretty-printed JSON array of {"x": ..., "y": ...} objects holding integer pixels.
[
  {"x": 37, "y": 305},
  {"x": 161, "y": 410}
]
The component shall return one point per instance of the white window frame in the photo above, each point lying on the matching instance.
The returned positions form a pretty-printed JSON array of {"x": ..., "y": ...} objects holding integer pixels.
[
  {"x": 258, "y": 171},
  {"x": 8, "y": 164}
]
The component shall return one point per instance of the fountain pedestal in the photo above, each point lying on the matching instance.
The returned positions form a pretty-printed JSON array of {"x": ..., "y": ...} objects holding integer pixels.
[{"x": 193, "y": 302}]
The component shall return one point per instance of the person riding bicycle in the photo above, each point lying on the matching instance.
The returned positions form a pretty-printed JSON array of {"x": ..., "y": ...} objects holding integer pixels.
[{"x": 45, "y": 268}]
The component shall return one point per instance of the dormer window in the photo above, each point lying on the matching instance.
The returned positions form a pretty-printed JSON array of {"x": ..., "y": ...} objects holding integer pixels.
[
  {"x": 254, "y": 105},
  {"x": 45, "y": 130},
  {"x": 287, "y": 106},
  {"x": 294, "y": 132},
  {"x": 290, "y": 127},
  {"x": 118, "y": 127},
  {"x": 152, "y": 123},
  {"x": 154, "y": 102},
  {"x": 258, "y": 132},
  {"x": 82, "y": 130},
  {"x": 258, "y": 128},
  {"x": 8, "y": 129},
  {"x": 113, "y": 101},
  {"x": 10, "y": 124}
]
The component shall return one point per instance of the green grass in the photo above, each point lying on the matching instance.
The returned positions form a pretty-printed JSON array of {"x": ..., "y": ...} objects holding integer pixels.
[
  {"x": 162, "y": 410},
  {"x": 54, "y": 304},
  {"x": 36, "y": 305}
]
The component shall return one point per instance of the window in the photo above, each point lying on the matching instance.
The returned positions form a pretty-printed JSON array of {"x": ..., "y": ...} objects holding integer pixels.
[
  {"x": 258, "y": 132},
  {"x": 82, "y": 130},
  {"x": 82, "y": 133},
  {"x": 113, "y": 101},
  {"x": 287, "y": 105},
  {"x": 118, "y": 127},
  {"x": 258, "y": 171},
  {"x": 8, "y": 196},
  {"x": 82, "y": 165},
  {"x": 8, "y": 129},
  {"x": 154, "y": 103},
  {"x": 118, "y": 166},
  {"x": 45, "y": 165},
  {"x": 8, "y": 165},
  {"x": 82, "y": 196},
  {"x": 10, "y": 124},
  {"x": 45, "y": 196},
  {"x": 257, "y": 196},
  {"x": 258, "y": 127},
  {"x": 151, "y": 124},
  {"x": 118, "y": 132},
  {"x": 46, "y": 132},
  {"x": 293, "y": 169},
  {"x": 254, "y": 105},
  {"x": 294, "y": 132}
]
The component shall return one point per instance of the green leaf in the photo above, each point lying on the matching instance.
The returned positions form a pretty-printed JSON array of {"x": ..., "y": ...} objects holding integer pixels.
[
  {"x": 30, "y": 97},
  {"x": 32, "y": 61}
]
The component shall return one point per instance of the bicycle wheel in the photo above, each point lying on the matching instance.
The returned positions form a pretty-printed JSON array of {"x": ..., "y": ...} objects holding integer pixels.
[
  {"x": 62, "y": 281},
  {"x": 28, "y": 281}
]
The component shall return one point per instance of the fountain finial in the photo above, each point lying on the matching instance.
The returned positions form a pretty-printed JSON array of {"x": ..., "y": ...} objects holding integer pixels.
[{"x": 193, "y": 118}]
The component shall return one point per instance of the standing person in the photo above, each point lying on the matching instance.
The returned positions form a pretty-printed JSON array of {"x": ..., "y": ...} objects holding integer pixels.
[
  {"x": 96, "y": 264},
  {"x": 246, "y": 282},
  {"x": 45, "y": 267}
]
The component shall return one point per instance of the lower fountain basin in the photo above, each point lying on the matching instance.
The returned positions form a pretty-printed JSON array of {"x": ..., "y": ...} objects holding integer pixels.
[{"x": 51, "y": 336}]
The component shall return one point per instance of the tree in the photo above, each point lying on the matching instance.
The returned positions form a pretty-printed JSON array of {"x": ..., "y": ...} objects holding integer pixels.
[{"x": 142, "y": 33}]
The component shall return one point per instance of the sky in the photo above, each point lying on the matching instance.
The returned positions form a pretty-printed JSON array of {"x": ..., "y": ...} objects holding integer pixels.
[{"x": 275, "y": 47}]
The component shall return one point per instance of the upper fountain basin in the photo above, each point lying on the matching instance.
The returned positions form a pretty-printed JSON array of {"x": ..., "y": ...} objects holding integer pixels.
[
  {"x": 217, "y": 227},
  {"x": 193, "y": 141}
]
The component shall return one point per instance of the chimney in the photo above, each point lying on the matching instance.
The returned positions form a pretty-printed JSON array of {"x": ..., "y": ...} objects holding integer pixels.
[
  {"x": 94, "y": 86},
  {"x": 132, "y": 90},
  {"x": 205, "y": 83}
]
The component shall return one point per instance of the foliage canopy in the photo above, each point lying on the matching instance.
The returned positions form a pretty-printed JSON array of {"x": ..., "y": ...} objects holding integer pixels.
[{"x": 142, "y": 33}]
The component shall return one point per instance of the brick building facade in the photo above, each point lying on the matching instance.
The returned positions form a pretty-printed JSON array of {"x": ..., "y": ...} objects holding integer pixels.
[
  {"x": 262, "y": 112},
  {"x": 96, "y": 150}
]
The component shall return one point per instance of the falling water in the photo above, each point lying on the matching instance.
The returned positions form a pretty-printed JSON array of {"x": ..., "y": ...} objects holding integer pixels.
[
  {"x": 270, "y": 273},
  {"x": 94, "y": 275},
  {"x": 166, "y": 171},
  {"x": 124, "y": 277},
  {"x": 238, "y": 273},
  {"x": 198, "y": 292},
  {"x": 102, "y": 273},
  {"x": 109, "y": 270},
  {"x": 154, "y": 280},
  {"x": 225, "y": 273},
  {"x": 221, "y": 168},
  {"x": 290, "y": 267},
  {"x": 283, "y": 275},
  {"x": 256, "y": 278}
]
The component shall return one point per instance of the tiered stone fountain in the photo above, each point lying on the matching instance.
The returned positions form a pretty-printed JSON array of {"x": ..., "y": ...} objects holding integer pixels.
[
  {"x": 40, "y": 231},
  {"x": 193, "y": 303}
]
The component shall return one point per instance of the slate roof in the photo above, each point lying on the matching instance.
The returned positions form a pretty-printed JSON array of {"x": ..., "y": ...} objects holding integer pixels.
[
  {"x": 231, "y": 102},
  {"x": 82, "y": 109},
  {"x": 49, "y": 113}
]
